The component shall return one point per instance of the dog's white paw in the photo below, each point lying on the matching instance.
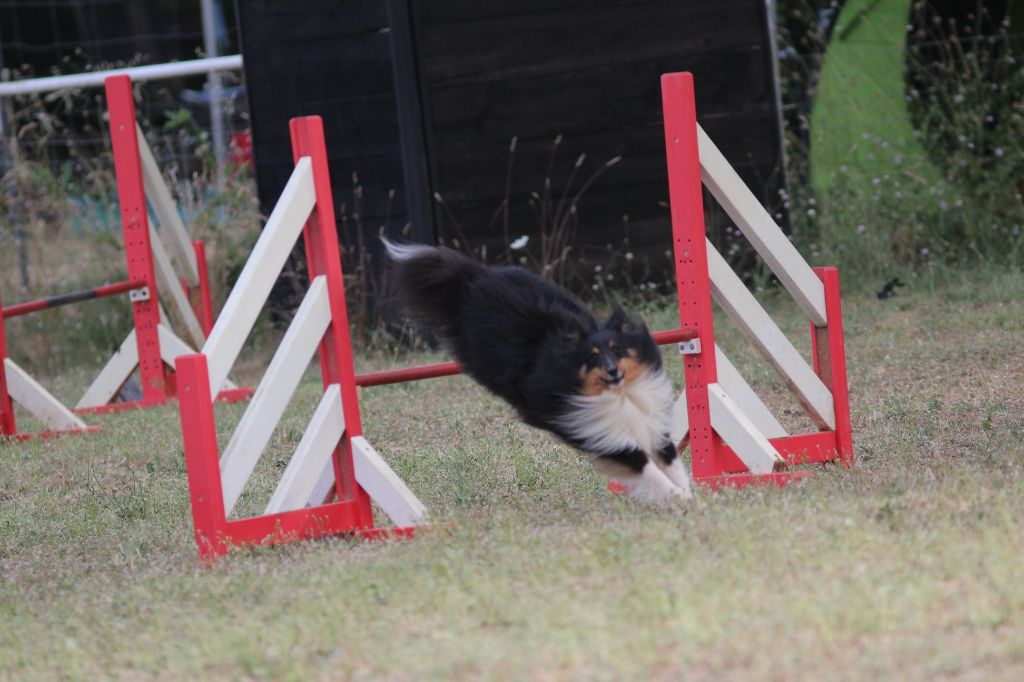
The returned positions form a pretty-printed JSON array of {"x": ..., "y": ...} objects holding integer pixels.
[{"x": 653, "y": 486}]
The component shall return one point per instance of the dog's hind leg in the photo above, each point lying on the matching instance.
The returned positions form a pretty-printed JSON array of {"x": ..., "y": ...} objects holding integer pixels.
[
  {"x": 672, "y": 466},
  {"x": 642, "y": 478}
]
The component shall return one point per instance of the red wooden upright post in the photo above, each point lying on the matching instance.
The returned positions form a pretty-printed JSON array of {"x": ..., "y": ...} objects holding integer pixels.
[
  {"x": 829, "y": 351},
  {"x": 205, "y": 303},
  {"x": 199, "y": 431},
  {"x": 323, "y": 258},
  {"x": 689, "y": 244},
  {"x": 7, "y": 425},
  {"x": 135, "y": 226}
]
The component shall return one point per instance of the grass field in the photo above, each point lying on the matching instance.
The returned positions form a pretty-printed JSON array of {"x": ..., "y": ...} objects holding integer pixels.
[{"x": 905, "y": 567}]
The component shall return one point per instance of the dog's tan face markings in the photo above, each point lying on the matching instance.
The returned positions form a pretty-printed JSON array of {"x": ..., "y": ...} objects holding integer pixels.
[{"x": 594, "y": 380}]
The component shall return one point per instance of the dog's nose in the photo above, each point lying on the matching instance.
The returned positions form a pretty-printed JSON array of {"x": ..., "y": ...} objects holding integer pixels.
[{"x": 613, "y": 372}]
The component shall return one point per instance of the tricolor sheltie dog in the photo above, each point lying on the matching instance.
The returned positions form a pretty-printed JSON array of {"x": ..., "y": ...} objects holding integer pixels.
[{"x": 600, "y": 387}]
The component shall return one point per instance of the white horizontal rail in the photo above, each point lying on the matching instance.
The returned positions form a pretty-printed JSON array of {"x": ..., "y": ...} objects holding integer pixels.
[
  {"x": 274, "y": 391},
  {"x": 763, "y": 233},
  {"x": 27, "y": 392},
  {"x": 261, "y": 270},
  {"x": 739, "y": 433},
  {"x": 731, "y": 293},
  {"x": 166, "y": 211},
  {"x": 312, "y": 454},
  {"x": 95, "y": 79}
]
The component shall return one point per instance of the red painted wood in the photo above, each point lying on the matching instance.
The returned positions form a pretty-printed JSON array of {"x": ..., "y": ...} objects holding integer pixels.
[
  {"x": 135, "y": 227},
  {"x": 778, "y": 479},
  {"x": 199, "y": 431},
  {"x": 323, "y": 258},
  {"x": 445, "y": 369},
  {"x": 205, "y": 303},
  {"x": 688, "y": 242},
  {"x": 104, "y": 291},
  {"x": 7, "y": 424},
  {"x": 808, "y": 448},
  {"x": 830, "y": 362}
]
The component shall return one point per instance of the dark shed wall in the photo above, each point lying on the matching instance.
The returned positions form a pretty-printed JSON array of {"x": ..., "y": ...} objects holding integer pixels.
[
  {"x": 471, "y": 75},
  {"x": 589, "y": 69},
  {"x": 331, "y": 58}
]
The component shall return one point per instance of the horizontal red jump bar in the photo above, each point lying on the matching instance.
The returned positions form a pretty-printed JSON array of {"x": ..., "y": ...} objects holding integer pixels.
[
  {"x": 73, "y": 297},
  {"x": 445, "y": 369}
]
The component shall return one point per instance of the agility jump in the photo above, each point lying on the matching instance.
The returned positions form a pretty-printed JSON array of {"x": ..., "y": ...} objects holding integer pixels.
[
  {"x": 152, "y": 344},
  {"x": 733, "y": 436},
  {"x": 332, "y": 459}
]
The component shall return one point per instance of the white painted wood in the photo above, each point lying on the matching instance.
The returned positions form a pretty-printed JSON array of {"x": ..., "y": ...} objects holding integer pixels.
[
  {"x": 312, "y": 454},
  {"x": 113, "y": 375},
  {"x": 380, "y": 481},
  {"x": 742, "y": 394},
  {"x": 27, "y": 392},
  {"x": 324, "y": 486},
  {"x": 171, "y": 347},
  {"x": 384, "y": 486},
  {"x": 680, "y": 420},
  {"x": 740, "y": 434},
  {"x": 171, "y": 291},
  {"x": 260, "y": 272},
  {"x": 274, "y": 391},
  {"x": 746, "y": 398},
  {"x": 729, "y": 292},
  {"x": 166, "y": 211},
  {"x": 763, "y": 233}
]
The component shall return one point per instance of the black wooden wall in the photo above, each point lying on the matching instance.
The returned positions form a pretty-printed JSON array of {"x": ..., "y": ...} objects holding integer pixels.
[{"x": 423, "y": 97}]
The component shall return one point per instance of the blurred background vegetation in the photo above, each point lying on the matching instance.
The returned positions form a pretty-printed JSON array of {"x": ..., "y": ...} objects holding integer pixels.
[{"x": 904, "y": 153}]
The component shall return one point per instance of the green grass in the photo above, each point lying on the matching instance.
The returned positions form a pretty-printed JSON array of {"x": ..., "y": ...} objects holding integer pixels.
[
  {"x": 907, "y": 566},
  {"x": 859, "y": 125}
]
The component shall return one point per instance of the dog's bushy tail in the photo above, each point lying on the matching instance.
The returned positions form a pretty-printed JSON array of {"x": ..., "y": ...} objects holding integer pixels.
[{"x": 430, "y": 283}]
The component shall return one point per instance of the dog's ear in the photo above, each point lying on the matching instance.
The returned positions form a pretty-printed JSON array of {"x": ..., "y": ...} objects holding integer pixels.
[{"x": 623, "y": 323}]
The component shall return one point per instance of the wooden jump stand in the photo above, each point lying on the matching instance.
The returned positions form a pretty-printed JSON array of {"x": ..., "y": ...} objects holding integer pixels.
[
  {"x": 332, "y": 459},
  {"x": 734, "y": 439},
  {"x": 152, "y": 345}
]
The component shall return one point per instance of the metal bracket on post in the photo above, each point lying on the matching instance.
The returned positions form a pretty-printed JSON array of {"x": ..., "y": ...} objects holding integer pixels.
[
  {"x": 691, "y": 347},
  {"x": 138, "y": 295}
]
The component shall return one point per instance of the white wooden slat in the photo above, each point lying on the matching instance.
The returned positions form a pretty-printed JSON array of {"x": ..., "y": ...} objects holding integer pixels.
[
  {"x": 728, "y": 291},
  {"x": 312, "y": 454},
  {"x": 166, "y": 211},
  {"x": 384, "y": 486},
  {"x": 380, "y": 482},
  {"x": 742, "y": 394},
  {"x": 746, "y": 398},
  {"x": 763, "y": 233},
  {"x": 171, "y": 346},
  {"x": 27, "y": 392},
  {"x": 171, "y": 291},
  {"x": 113, "y": 375},
  {"x": 740, "y": 434},
  {"x": 274, "y": 391},
  {"x": 260, "y": 272}
]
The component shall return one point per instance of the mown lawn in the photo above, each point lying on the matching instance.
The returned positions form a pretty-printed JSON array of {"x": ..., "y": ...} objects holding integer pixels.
[{"x": 905, "y": 567}]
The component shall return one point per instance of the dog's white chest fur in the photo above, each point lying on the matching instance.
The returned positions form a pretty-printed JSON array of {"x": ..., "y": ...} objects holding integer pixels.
[{"x": 637, "y": 416}]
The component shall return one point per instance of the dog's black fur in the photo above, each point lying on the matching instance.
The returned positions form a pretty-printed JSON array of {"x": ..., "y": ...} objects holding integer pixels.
[{"x": 526, "y": 340}]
